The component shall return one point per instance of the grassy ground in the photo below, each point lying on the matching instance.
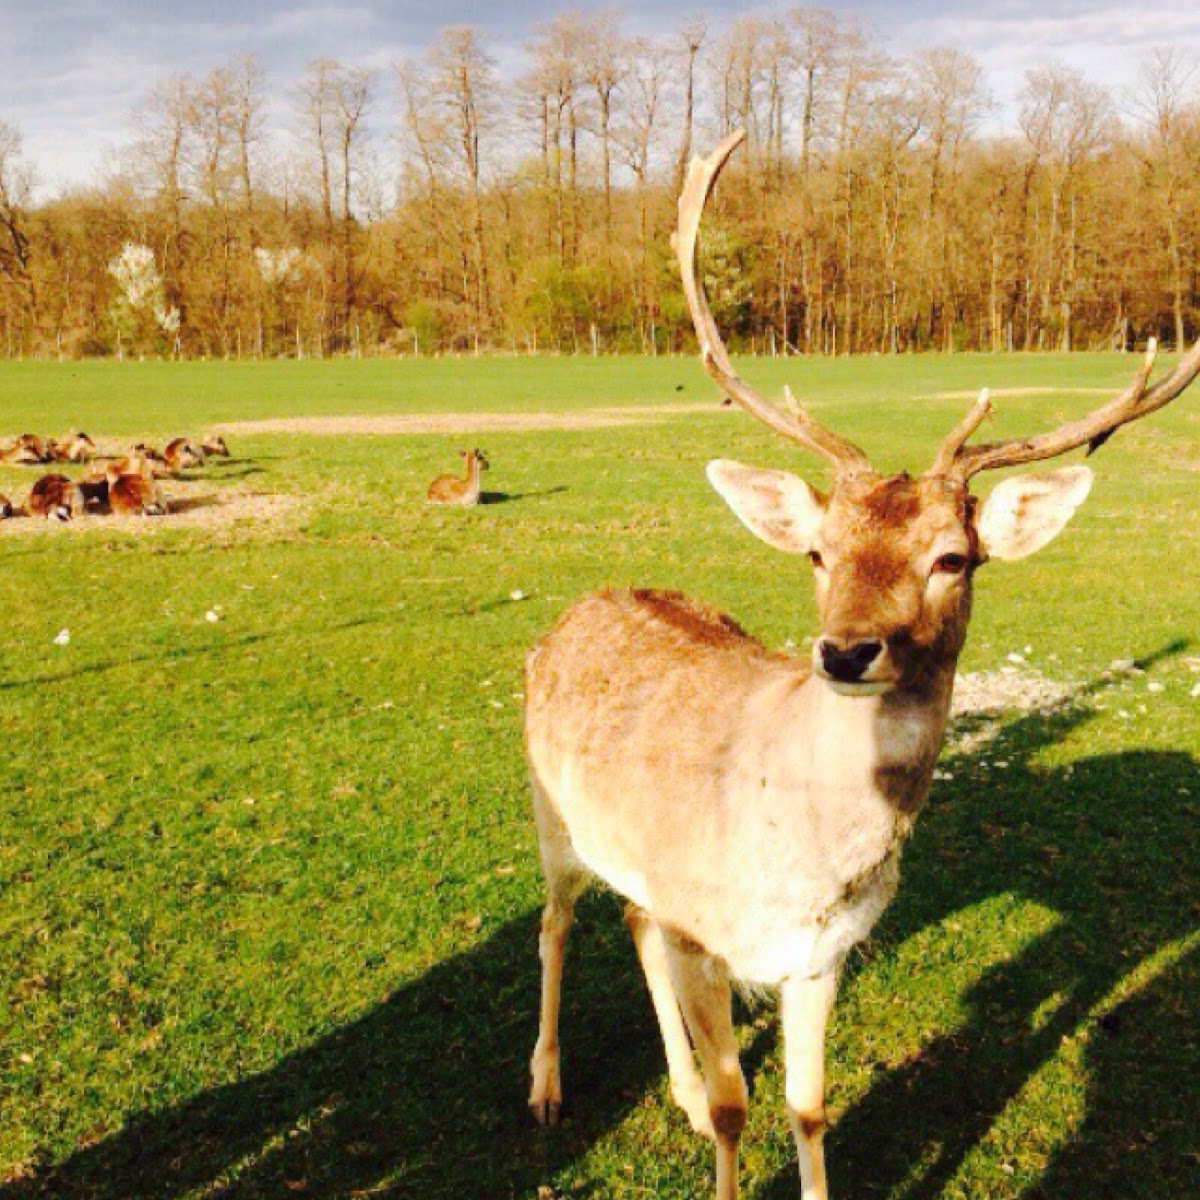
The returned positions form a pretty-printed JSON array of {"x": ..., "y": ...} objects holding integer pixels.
[{"x": 268, "y": 887}]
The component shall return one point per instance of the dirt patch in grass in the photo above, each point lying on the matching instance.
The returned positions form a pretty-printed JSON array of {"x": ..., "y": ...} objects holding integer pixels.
[
  {"x": 1023, "y": 391},
  {"x": 203, "y": 506},
  {"x": 465, "y": 423}
]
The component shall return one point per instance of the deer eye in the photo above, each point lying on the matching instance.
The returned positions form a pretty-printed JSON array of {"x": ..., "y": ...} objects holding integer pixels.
[
  {"x": 950, "y": 564},
  {"x": 815, "y": 558}
]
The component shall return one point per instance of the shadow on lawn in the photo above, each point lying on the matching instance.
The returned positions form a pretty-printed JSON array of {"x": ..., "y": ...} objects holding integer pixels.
[
  {"x": 507, "y": 497},
  {"x": 1111, "y": 846},
  {"x": 424, "y": 1095}
]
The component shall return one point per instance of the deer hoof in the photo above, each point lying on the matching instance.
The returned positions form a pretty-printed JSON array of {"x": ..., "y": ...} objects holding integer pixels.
[
  {"x": 692, "y": 1098},
  {"x": 546, "y": 1112}
]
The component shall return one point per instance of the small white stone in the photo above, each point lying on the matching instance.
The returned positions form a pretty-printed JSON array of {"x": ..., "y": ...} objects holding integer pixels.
[
  {"x": 212, "y": 616},
  {"x": 1155, "y": 686},
  {"x": 1121, "y": 664},
  {"x": 516, "y": 594},
  {"x": 1195, "y": 693},
  {"x": 1016, "y": 658},
  {"x": 63, "y": 637}
]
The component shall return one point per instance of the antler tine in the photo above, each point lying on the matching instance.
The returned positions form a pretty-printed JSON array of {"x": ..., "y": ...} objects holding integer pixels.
[
  {"x": 797, "y": 426},
  {"x": 956, "y": 439},
  {"x": 1092, "y": 430}
]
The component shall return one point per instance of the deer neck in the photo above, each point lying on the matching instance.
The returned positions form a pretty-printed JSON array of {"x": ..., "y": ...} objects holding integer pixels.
[
  {"x": 881, "y": 748},
  {"x": 473, "y": 476}
]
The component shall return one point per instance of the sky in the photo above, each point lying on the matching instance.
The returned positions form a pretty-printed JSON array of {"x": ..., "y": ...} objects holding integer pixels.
[{"x": 72, "y": 72}]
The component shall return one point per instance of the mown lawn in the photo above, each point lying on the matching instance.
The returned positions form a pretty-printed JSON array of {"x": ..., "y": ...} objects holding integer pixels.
[{"x": 268, "y": 885}]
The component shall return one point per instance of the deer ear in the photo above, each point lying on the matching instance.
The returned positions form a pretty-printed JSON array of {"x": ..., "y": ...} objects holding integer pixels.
[
  {"x": 1024, "y": 513},
  {"x": 776, "y": 506}
]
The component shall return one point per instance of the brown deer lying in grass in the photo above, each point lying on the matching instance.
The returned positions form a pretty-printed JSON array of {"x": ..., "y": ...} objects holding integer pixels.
[
  {"x": 752, "y": 806},
  {"x": 155, "y": 459},
  {"x": 75, "y": 447},
  {"x": 56, "y": 498},
  {"x": 182, "y": 454},
  {"x": 29, "y": 450},
  {"x": 133, "y": 488},
  {"x": 448, "y": 489}
]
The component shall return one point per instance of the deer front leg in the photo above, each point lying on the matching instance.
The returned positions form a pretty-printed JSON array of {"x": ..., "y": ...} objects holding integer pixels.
[
  {"x": 545, "y": 1094},
  {"x": 806, "y": 1005},
  {"x": 702, "y": 984},
  {"x": 686, "y": 1085}
]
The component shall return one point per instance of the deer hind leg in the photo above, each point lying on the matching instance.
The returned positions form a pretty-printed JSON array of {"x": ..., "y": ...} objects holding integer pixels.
[
  {"x": 686, "y": 1085},
  {"x": 565, "y": 880},
  {"x": 702, "y": 984},
  {"x": 806, "y": 1005}
]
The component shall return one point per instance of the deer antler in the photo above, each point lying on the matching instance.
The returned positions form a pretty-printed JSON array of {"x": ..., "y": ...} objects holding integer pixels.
[
  {"x": 958, "y": 461},
  {"x": 797, "y": 425}
]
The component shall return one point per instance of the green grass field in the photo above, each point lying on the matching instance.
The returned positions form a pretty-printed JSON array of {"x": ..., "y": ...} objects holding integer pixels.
[{"x": 268, "y": 883}]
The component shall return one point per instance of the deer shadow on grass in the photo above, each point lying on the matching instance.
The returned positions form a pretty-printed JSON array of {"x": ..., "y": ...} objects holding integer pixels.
[
  {"x": 422, "y": 1096},
  {"x": 1109, "y": 849},
  {"x": 509, "y": 497}
]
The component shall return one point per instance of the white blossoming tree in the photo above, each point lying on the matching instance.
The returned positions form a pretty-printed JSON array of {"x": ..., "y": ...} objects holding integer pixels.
[{"x": 140, "y": 311}]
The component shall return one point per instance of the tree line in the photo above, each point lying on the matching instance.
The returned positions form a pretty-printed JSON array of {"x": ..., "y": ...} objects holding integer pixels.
[{"x": 441, "y": 208}]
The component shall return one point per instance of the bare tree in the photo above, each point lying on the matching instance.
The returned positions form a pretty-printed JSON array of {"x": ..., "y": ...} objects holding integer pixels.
[
  {"x": 690, "y": 38},
  {"x": 636, "y": 139},
  {"x": 1164, "y": 99},
  {"x": 16, "y": 250},
  {"x": 604, "y": 64},
  {"x": 464, "y": 84},
  {"x": 1066, "y": 121}
]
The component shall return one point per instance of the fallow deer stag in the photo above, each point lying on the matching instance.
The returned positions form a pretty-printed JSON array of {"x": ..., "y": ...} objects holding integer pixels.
[
  {"x": 447, "y": 489},
  {"x": 749, "y": 805}
]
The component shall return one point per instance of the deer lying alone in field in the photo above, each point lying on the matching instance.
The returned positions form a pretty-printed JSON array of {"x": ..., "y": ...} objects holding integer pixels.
[
  {"x": 752, "y": 806},
  {"x": 448, "y": 489}
]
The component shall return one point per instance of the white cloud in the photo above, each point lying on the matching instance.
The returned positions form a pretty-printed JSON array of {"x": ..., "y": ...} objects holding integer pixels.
[{"x": 73, "y": 71}]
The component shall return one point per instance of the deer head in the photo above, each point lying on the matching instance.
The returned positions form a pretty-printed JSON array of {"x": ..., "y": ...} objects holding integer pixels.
[{"x": 894, "y": 556}]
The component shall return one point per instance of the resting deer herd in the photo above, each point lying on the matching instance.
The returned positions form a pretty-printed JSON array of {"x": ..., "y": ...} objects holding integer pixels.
[
  {"x": 125, "y": 485},
  {"x": 751, "y": 807}
]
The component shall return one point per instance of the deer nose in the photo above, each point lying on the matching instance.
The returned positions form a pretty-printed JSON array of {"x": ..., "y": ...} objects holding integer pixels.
[{"x": 847, "y": 664}]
